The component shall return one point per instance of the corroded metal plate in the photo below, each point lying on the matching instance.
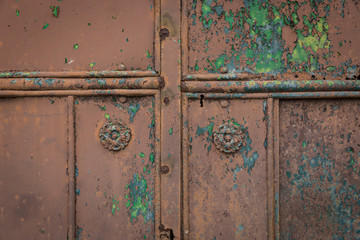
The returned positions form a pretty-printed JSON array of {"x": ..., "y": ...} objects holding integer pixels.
[
  {"x": 319, "y": 169},
  {"x": 83, "y": 35},
  {"x": 226, "y": 190},
  {"x": 33, "y": 180},
  {"x": 115, "y": 189}
]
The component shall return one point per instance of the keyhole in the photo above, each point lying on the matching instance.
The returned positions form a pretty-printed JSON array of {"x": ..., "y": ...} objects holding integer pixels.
[{"x": 201, "y": 100}]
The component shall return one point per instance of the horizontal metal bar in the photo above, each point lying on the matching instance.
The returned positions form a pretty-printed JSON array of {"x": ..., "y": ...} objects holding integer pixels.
[
  {"x": 286, "y": 95},
  {"x": 78, "y": 83},
  {"x": 251, "y": 76},
  {"x": 143, "y": 92},
  {"x": 218, "y": 76},
  {"x": 82, "y": 74},
  {"x": 270, "y": 86}
]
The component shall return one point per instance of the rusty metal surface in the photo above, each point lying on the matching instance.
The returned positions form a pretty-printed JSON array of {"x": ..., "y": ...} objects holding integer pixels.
[
  {"x": 81, "y": 35},
  {"x": 115, "y": 189},
  {"x": 319, "y": 169},
  {"x": 171, "y": 118},
  {"x": 33, "y": 180},
  {"x": 273, "y": 37},
  {"x": 226, "y": 191}
]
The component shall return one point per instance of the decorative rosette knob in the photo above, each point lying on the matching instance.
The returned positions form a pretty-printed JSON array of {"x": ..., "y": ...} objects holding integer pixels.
[
  {"x": 228, "y": 138},
  {"x": 114, "y": 135}
]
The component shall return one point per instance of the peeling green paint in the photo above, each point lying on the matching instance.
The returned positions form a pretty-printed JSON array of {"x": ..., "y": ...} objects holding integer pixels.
[
  {"x": 253, "y": 39},
  {"x": 139, "y": 199}
]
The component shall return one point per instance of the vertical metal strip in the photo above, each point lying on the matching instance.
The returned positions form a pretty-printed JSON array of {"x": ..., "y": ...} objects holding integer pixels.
[
  {"x": 157, "y": 47},
  {"x": 170, "y": 117},
  {"x": 157, "y": 165},
  {"x": 276, "y": 166},
  {"x": 184, "y": 38},
  {"x": 185, "y": 229},
  {"x": 71, "y": 166},
  {"x": 270, "y": 167}
]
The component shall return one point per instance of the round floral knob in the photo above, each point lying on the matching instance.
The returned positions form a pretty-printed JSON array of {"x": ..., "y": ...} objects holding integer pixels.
[
  {"x": 114, "y": 135},
  {"x": 228, "y": 138}
]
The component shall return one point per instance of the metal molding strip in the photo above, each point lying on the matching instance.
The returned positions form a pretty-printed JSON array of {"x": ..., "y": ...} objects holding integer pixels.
[
  {"x": 78, "y": 83},
  {"x": 270, "y": 86}
]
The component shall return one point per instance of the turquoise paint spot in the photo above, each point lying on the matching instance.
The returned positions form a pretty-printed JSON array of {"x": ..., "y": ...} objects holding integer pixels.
[
  {"x": 78, "y": 232},
  {"x": 240, "y": 229},
  {"x": 133, "y": 109},
  {"x": 77, "y": 191}
]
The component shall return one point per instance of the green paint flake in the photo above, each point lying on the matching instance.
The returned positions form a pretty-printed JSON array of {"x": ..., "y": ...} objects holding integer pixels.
[
  {"x": 148, "y": 54},
  {"x": 45, "y": 26},
  {"x": 151, "y": 157},
  {"x": 220, "y": 62},
  {"x": 66, "y": 61},
  {"x": 171, "y": 131},
  {"x": 55, "y": 10},
  {"x": 113, "y": 17},
  {"x": 76, "y": 46},
  {"x": 92, "y": 64},
  {"x": 115, "y": 205},
  {"x": 17, "y": 12},
  {"x": 107, "y": 116},
  {"x": 142, "y": 155}
]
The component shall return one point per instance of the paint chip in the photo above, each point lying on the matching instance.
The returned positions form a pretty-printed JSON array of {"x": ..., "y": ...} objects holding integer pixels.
[
  {"x": 55, "y": 10},
  {"x": 107, "y": 116},
  {"x": 76, "y": 46},
  {"x": 92, "y": 64},
  {"x": 17, "y": 12},
  {"x": 45, "y": 26}
]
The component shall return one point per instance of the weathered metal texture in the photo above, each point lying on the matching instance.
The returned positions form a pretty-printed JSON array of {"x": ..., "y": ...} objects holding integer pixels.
[
  {"x": 171, "y": 119},
  {"x": 273, "y": 37},
  {"x": 79, "y": 74},
  {"x": 225, "y": 193},
  {"x": 116, "y": 190},
  {"x": 80, "y": 83},
  {"x": 78, "y": 36},
  {"x": 319, "y": 169},
  {"x": 270, "y": 86},
  {"x": 33, "y": 179}
]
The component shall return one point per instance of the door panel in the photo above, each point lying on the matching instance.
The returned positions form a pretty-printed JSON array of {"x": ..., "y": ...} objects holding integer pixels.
[
  {"x": 85, "y": 35},
  {"x": 33, "y": 180},
  {"x": 319, "y": 169},
  {"x": 115, "y": 188},
  {"x": 227, "y": 183}
]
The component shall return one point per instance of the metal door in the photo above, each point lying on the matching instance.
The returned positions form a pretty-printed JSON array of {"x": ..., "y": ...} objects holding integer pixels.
[{"x": 191, "y": 119}]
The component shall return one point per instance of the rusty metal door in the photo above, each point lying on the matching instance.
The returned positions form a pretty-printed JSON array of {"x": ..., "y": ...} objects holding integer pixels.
[{"x": 189, "y": 119}]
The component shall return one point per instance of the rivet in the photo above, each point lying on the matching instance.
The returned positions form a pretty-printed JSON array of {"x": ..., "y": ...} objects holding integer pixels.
[
  {"x": 164, "y": 169},
  {"x": 223, "y": 70},
  {"x": 122, "y": 99},
  {"x": 224, "y": 103},
  {"x": 166, "y": 100}
]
